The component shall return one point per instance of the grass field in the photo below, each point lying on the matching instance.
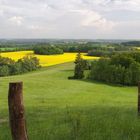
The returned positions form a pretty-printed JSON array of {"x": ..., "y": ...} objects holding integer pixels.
[
  {"x": 62, "y": 109},
  {"x": 46, "y": 60},
  {"x": 9, "y": 49}
]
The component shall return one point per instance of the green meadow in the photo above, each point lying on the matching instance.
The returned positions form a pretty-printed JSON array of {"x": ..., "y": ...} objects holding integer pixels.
[
  {"x": 62, "y": 109},
  {"x": 7, "y": 49}
]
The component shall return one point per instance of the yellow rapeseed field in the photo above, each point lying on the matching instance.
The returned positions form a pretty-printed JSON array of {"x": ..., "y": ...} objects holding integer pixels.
[{"x": 46, "y": 60}]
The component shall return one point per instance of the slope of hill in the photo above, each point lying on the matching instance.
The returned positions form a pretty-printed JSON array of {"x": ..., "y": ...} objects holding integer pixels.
[{"x": 62, "y": 109}]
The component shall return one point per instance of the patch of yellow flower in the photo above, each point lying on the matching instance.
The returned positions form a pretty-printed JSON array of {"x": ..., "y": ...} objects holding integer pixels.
[{"x": 46, "y": 60}]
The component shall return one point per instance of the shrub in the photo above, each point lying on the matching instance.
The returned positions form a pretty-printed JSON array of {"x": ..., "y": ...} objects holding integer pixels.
[
  {"x": 122, "y": 59},
  {"x": 119, "y": 69},
  {"x": 99, "y": 53},
  {"x": 29, "y": 63},
  {"x": 44, "y": 50},
  {"x": 5, "y": 61},
  {"x": 26, "y": 64},
  {"x": 4, "y": 70},
  {"x": 15, "y": 69}
]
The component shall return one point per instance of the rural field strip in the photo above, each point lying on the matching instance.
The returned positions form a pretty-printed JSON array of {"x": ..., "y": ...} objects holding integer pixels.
[{"x": 46, "y": 60}]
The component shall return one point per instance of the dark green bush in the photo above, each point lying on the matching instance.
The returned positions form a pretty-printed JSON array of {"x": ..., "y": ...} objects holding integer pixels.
[
  {"x": 5, "y": 61},
  {"x": 15, "y": 69},
  {"x": 26, "y": 64},
  {"x": 4, "y": 70},
  {"x": 47, "y": 50},
  {"x": 119, "y": 69},
  {"x": 99, "y": 53},
  {"x": 29, "y": 63}
]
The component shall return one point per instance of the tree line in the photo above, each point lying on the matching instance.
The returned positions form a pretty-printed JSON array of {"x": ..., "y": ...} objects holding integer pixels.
[
  {"x": 47, "y": 50},
  {"x": 121, "y": 68},
  {"x": 10, "y": 67},
  {"x": 92, "y": 48}
]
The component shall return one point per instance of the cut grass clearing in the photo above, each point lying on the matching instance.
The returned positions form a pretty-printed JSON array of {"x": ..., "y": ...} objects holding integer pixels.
[{"x": 62, "y": 109}]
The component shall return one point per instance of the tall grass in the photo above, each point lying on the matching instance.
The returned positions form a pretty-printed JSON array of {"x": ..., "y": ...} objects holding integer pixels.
[{"x": 62, "y": 109}]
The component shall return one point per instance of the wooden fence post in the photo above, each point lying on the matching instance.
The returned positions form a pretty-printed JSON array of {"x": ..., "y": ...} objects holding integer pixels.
[
  {"x": 16, "y": 112},
  {"x": 138, "y": 98}
]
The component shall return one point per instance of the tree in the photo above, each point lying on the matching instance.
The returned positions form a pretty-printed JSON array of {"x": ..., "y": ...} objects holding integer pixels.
[
  {"x": 79, "y": 67},
  {"x": 122, "y": 59},
  {"x": 5, "y": 61},
  {"x": 135, "y": 69},
  {"x": 29, "y": 63},
  {"x": 4, "y": 70},
  {"x": 47, "y": 50},
  {"x": 128, "y": 77},
  {"x": 119, "y": 69},
  {"x": 10, "y": 67},
  {"x": 15, "y": 68},
  {"x": 78, "y": 58}
]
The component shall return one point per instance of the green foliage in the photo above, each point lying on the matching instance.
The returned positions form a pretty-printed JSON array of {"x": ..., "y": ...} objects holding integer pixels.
[
  {"x": 135, "y": 69},
  {"x": 9, "y": 67},
  {"x": 15, "y": 69},
  {"x": 78, "y": 58},
  {"x": 92, "y": 48},
  {"x": 5, "y": 61},
  {"x": 122, "y": 59},
  {"x": 29, "y": 63},
  {"x": 79, "y": 67},
  {"x": 131, "y": 43},
  {"x": 110, "y": 49},
  {"x": 79, "y": 47},
  {"x": 47, "y": 50},
  {"x": 119, "y": 69},
  {"x": 100, "y": 53},
  {"x": 4, "y": 70},
  {"x": 79, "y": 71}
]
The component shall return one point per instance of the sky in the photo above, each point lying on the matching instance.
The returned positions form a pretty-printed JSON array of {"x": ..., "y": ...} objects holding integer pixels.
[{"x": 70, "y": 19}]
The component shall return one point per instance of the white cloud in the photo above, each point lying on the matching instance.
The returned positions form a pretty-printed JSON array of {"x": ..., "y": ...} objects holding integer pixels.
[
  {"x": 70, "y": 18},
  {"x": 90, "y": 18},
  {"x": 33, "y": 27},
  {"x": 132, "y": 5},
  {"x": 96, "y": 20},
  {"x": 16, "y": 20},
  {"x": 109, "y": 5},
  {"x": 1, "y": 12}
]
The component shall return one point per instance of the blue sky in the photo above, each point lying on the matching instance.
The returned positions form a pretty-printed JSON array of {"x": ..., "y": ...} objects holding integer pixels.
[{"x": 86, "y": 19}]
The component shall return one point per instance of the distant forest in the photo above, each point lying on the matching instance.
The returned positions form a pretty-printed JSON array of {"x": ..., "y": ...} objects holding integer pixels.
[{"x": 92, "y": 48}]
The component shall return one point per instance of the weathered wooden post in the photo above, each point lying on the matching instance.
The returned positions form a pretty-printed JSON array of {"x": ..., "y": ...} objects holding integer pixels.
[
  {"x": 138, "y": 98},
  {"x": 16, "y": 112}
]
